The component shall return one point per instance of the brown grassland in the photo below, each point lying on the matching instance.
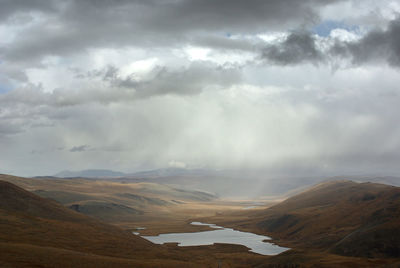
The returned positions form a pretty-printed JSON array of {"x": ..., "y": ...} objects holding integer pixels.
[{"x": 88, "y": 223}]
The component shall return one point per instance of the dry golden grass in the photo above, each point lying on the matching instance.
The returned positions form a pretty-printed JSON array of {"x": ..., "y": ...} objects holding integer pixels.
[
  {"x": 27, "y": 255},
  {"x": 344, "y": 217},
  {"x": 38, "y": 232},
  {"x": 326, "y": 214}
]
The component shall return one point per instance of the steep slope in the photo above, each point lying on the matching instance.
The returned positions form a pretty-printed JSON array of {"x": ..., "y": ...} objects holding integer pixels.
[
  {"x": 29, "y": 221},
  {"x": 16, "y": 200},
  {"x": 344, "y": 217}
]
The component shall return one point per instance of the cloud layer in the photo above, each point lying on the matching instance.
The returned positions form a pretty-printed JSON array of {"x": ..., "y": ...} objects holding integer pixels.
[{"x": 281, "y": 86}]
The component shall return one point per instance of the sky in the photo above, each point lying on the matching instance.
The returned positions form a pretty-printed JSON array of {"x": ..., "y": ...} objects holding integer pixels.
[{"x": 284, "y": 86}]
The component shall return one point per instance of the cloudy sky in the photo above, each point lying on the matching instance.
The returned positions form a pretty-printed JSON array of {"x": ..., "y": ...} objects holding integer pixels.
[{"x": 283, "y": 85}]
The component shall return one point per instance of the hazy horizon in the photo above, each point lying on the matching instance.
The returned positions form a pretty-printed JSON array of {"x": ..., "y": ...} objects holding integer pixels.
[{"x": 288, "y": 87}]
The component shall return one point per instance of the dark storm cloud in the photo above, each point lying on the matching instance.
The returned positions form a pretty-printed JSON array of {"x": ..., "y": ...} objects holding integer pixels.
[
  {"x": 8, "y": 8},
  {"x": 376, "y": 46},
  {"x": 78, "y": 25},
  {"x": 185, "y": 81},
  {"x": 189, "y": 80},
  {"x": 240, "y": 16},
  {"x": 297, "y": 48}
]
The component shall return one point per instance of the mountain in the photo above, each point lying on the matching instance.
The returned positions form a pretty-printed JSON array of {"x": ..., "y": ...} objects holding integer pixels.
[
  {"x": 233, "y": 184},
  {"x": 341, "y": 217},
  {"x": 389, "y": 180},
  {"x": 243, "y": 184},
  {"x": 164, "y": 172},
  {"x": 90, "y": 173}
]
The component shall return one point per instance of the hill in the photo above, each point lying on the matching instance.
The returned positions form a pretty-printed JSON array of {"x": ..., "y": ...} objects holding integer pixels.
[
  {"x": 341, "y": 217},
  {"x": 38, "y": 231},
  {"x": 107, "y": 200}
]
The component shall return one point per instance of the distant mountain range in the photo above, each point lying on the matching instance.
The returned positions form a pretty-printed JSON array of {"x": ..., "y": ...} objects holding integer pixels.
[
  {"x": 154, "y": 173},
  {"x": 224, "y": 183},
  {"x": 90, "y": 173}
]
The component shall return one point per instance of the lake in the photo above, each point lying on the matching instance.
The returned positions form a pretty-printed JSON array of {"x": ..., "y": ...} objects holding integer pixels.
[{"x": 254, "y": 242}]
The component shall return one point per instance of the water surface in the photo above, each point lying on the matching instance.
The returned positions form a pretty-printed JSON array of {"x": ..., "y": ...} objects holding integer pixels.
[{"x": 254, "y": 242}]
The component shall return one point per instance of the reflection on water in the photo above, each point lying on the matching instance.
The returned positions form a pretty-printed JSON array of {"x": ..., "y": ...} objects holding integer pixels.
[{"x": 220, "y": 235}]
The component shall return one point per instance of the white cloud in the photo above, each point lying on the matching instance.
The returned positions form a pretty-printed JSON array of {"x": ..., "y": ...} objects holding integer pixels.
[
  {"x": 197, "y": 53},
  {"x": 344, "y": 35},
  {"x": 139, "y": 68}
]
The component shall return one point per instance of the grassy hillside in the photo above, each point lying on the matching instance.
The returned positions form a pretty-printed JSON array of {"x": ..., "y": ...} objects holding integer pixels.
[
  {"x": 348, "y": 218},
  {"x": 110, "y": 201},
  {"x": 29, "y": 219},
  {"x": 39, "y": 232},
  {"x": 333, "y": 224}
]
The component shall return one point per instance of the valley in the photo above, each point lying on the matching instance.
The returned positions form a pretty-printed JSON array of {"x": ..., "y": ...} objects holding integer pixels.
[
  {"x": 188, "y": 133},
  {"x": 335, "y": 223}
]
